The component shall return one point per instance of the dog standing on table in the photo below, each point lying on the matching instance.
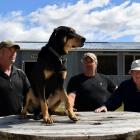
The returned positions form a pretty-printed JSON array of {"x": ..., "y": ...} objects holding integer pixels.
[{"x": 49, "y": 73}]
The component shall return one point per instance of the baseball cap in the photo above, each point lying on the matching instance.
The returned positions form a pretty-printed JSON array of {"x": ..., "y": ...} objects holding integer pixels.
[
  {"x": 8, "y": 44},
  {"x": 91, "y": 55},
  {"x": 135, "y": 65}
]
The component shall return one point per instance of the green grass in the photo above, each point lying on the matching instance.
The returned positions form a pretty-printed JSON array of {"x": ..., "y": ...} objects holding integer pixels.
[{"x": 121, "y": 108}]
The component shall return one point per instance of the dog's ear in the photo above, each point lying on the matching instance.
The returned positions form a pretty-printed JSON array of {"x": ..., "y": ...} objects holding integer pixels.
[
  {"x": 57, "y": 29},
  {"x": 53, "y": 39},
  {"x": 62, "y": 28}
]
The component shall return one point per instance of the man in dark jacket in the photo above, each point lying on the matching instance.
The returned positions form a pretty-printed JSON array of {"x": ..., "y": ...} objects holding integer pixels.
[{"x": 127, "y": 93}]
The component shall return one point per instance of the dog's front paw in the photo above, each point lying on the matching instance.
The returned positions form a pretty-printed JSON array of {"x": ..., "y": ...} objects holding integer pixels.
[
  {"x": 48, "y": 120},
  {"x": 72, "y": 116},
  {"x": 23, "y": 114}
]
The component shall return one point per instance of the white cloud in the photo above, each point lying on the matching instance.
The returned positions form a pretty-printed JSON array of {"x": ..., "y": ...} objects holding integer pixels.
[{"x": 97, "y": 20}]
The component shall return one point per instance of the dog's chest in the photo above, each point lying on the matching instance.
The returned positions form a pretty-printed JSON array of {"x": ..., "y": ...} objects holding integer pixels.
[
  {"x": 54, "y": 75},
  {"x": 54, "y": 81}
]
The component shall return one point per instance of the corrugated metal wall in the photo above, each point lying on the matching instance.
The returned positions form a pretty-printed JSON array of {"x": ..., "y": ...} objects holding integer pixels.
[{"x": 73, "y": 63}]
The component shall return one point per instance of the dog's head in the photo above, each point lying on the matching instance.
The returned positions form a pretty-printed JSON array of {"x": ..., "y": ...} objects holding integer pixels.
[{"x": 64, "y": 38}]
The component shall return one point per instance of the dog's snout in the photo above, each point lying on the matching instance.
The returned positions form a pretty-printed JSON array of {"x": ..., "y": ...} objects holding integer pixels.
[{"x": 83, "y": 39}]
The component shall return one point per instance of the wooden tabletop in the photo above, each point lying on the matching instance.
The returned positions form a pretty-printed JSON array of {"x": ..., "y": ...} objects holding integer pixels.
[{"x": 91, "y": 126}]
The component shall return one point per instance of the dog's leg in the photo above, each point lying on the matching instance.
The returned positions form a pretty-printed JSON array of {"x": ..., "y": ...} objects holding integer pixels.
[
  {"x": 69, "y": 108},
  {"x": 27, "y": 100},
  {"x": 68, "y": 105},
  {"x": 44, "y": 107},
  {"x": 53, "y": 103}
]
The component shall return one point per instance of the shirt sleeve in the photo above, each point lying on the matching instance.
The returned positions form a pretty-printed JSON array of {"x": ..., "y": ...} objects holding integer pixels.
[
  {"x": 71, "y": 87},
  {"x": 116, "y": 99},
  {"x": 26, "y": 83},
  {"x": 111, "y": 86}
]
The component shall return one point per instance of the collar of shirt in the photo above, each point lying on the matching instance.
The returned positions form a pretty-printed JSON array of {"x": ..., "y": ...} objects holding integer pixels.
[{"x": 13, "y": 71}]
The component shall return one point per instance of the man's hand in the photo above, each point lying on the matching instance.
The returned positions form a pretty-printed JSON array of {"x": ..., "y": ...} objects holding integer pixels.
[{"x": 101, "y": 109}]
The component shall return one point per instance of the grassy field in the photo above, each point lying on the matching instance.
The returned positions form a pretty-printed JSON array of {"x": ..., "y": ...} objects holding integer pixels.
[{"x": 120, "y": 108}]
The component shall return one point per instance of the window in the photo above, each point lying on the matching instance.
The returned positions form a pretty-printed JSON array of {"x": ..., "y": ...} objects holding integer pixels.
[
  {"x": 107, "y": 64},
  {"x": 137, "y": 57},
  {"x": 128, "y": 61}
]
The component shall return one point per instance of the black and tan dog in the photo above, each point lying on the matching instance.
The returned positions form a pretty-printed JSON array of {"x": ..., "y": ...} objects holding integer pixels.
[{"x": 48, "y": 76}]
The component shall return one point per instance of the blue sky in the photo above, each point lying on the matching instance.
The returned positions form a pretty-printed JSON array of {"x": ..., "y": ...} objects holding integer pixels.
[{"x": 97, "y": 20}]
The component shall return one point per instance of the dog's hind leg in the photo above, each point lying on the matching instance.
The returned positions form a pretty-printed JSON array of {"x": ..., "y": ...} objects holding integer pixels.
[
  {"x": 27, "y": 100},
  {"x": 31, "y": 102}
]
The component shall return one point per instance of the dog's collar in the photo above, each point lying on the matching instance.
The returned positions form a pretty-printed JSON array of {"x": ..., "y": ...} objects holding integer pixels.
[{"x": 56, "y": 54}]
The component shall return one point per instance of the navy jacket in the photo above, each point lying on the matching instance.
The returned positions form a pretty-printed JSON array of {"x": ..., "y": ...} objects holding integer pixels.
[{"x": 127, "y": 94}]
